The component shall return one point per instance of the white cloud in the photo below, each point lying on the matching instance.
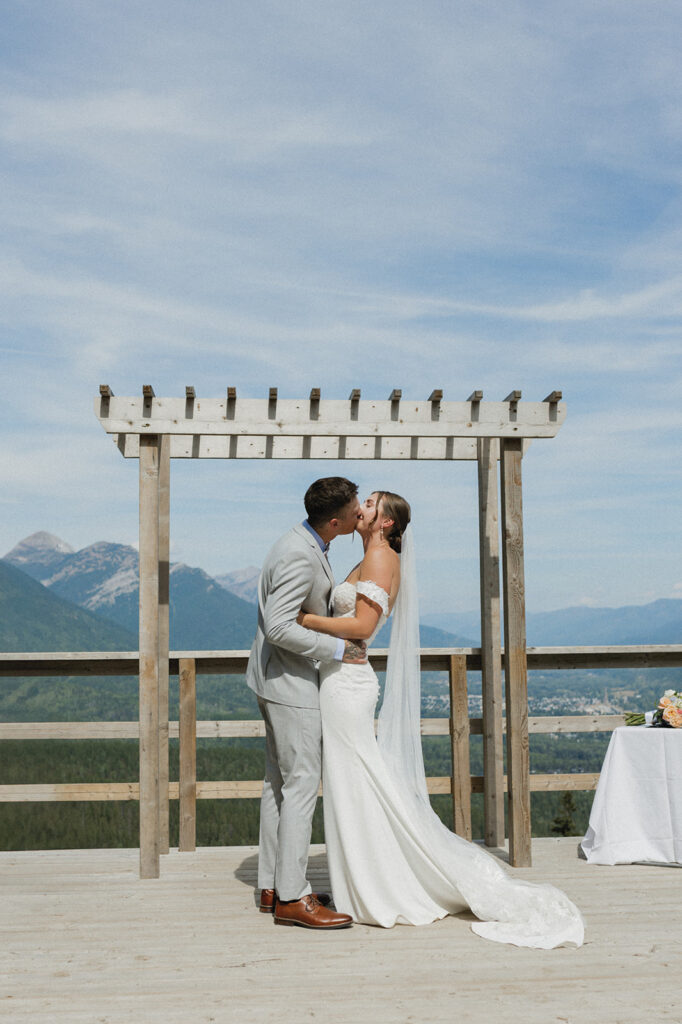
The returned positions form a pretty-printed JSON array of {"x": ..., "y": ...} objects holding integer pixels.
[{"x": 356, "y": 195}]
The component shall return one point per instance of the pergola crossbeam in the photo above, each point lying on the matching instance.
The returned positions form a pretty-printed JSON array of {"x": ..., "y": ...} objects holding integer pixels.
[
  {"x": 330, "y": 419},
  {"x": 212, "y": 446}
]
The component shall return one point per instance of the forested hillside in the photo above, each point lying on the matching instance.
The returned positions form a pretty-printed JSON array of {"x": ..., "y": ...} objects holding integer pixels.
[
  {"x": 32, "y": 618},
  {"x": 225, "y": 822}
]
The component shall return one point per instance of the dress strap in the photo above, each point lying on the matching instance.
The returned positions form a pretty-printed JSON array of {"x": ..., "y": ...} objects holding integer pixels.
[{"x": 375, "y": 593}]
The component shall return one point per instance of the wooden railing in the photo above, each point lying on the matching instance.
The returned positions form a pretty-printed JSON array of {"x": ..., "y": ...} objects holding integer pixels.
[{"x": 188, "y": 664}]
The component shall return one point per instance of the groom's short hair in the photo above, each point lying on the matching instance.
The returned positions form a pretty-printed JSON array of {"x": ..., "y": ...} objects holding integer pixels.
[{"x": 326, "y": 497}]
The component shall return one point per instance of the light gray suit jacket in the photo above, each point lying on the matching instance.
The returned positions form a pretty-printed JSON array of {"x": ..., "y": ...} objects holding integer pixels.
[{"x": 283, "y": 661}]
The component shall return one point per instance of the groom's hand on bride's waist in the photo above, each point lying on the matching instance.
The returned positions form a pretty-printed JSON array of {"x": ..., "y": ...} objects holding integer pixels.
[{"x": 355, "y": 652}]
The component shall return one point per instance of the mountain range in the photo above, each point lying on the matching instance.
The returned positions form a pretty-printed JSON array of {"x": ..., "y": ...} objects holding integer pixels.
[
  {"x": 659, "y": 622},
  {"x": 55, "y": 598},
  {"x": 32, "y": 618},
  {"x": 102, "y": 580}
]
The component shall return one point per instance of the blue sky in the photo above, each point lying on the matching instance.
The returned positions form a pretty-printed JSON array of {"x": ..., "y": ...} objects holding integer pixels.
[{"x": 338, "y": 195}]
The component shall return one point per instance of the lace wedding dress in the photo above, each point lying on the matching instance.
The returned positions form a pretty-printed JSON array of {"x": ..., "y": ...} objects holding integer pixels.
[{"x": 391, "y": 860}]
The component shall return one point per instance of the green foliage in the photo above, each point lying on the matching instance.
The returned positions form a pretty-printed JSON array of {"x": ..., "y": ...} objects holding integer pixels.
[
  {"x": 564, "y": 823},
  {"x": 57, "y": 825},
  {"x": 34, "y": 619}
]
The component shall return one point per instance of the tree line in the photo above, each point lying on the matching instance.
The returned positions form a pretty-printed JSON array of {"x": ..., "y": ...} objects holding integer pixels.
[{"x": 99, "y": 824}]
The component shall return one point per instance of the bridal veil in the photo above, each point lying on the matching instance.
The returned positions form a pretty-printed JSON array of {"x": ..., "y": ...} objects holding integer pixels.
[{"x": 509, "y": 909}]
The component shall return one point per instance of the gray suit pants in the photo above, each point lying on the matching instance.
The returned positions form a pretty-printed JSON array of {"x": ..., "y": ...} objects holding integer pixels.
[{"x": 293, "y": 762}]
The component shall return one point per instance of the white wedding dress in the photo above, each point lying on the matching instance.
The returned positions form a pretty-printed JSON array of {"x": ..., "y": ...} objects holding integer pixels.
[{"x": 391, "y": 860}]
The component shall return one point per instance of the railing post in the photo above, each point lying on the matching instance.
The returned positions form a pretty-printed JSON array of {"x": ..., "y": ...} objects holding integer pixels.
[
  {"x": 188, "y": 755},
  {"x": 515, "y": 665},
  {"x": 459, "y": 738},
  {"x": 491, "y": 646},
  {"x": 149, "y": 656},
  {"x": 164, "y": 581}
]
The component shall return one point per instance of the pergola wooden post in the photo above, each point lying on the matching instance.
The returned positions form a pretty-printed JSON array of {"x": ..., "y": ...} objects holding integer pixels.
[
  {"x": 491, "y": 667},
  {"x": 156, "y": 430},
  {"x": 515, "y": 665},
  {"x": 164, "y": 629},
  {"x": 150, "y": 658}
]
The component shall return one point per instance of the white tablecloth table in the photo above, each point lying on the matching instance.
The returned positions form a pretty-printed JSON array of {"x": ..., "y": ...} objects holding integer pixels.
[{"x": 637, "y": 810}]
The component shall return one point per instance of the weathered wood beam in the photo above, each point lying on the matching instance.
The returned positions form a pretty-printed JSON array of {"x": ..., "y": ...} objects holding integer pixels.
[
  {"x": 125, "y": 663},
  {"x": 187, "y": 446},
  {"x": 149, "y": 657},
  {"x": 459, "y": 736},
  {"x": 515, "y": 667},
  {"x": 164, "y": 629},
  {"x": 435, "y": 398},
  {"x": 491, "y": 644},
  {"x": 275, "y": 417},
  {"x": 188, "y": 728},
  {"x": 231, "y": 728},
  {"x": 251, "y": 789}
]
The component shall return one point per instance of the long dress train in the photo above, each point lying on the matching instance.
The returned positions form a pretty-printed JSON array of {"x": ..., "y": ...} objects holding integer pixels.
[{"x": 391, "y": 860}]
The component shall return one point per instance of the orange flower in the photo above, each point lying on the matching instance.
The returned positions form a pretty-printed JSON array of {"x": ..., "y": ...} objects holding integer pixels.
[
  {"x": 665, "y": 702},
  {"x": 673, "y": 716}
]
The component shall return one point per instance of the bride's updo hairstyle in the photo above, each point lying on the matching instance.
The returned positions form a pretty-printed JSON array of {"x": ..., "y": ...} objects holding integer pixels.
[{"x": 397, "y": 509}]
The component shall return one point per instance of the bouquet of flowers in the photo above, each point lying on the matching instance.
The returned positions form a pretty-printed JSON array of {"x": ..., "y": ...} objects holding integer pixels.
[{"x": 668, "y": 713}]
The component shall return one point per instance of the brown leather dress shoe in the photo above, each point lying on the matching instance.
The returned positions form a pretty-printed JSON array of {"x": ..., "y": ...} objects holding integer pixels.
[
  {"x": 268, "y": 898},
  {"x": 309, "y": 913}
]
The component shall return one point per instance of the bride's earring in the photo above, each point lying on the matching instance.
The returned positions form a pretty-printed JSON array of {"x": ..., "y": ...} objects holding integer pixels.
[{"x": 381, "y": 531}]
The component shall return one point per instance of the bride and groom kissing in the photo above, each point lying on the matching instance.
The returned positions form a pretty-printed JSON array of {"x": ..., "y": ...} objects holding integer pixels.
[{"x": 391, "y": 860}]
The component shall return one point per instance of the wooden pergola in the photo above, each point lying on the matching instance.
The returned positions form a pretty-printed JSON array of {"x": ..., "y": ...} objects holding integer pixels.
[{"x": 156, "y": 430}]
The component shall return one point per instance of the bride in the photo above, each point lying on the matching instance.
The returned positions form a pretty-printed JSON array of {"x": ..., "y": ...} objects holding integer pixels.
[{"x": 391, "y": 860}]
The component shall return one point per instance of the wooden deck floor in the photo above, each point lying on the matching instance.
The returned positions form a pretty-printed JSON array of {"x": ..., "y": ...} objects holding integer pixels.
[{"x": 84, "y": 940}]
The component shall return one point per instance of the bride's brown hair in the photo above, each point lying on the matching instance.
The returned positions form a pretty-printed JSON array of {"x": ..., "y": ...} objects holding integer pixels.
[{"x": 397, "y": 509}]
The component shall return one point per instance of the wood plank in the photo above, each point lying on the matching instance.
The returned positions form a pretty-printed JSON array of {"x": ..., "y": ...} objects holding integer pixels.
[
  {"x": 491, "y": 643},
  {"x": 188, "y": 755},
  {"x": 115, "y": 663},
  {"x": 515, "y": 669},
  {"x": 149, "y": 657},
  {"x": 459, "y": 730},
  {"x": 85, "y": 942},
  {"x": 543, "y": 783},
  {"x": 69, "y": 730},
  {"x": 164, "y": 613},
  {"x": 362, "y": 447},
  {"x": 202, "y": 446},
  {"x": 334, "y": 418},
  {"x": 251, "y": 789},
  {"x": 640, "y": 656},
  {"x": 575, "y": 723},
  {"x": 69, "y": 663},
  {"x": 231, "y": 728},
  {"x": 75, "y": 791},
  {"x": 226, "y": 729}
]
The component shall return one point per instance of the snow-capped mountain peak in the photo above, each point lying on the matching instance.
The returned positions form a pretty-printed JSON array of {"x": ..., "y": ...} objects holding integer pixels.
[{"x": 39, "y": 554}]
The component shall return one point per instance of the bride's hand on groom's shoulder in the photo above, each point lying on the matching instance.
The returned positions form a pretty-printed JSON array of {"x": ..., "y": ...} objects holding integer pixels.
[{"x": 355, "y": 652}]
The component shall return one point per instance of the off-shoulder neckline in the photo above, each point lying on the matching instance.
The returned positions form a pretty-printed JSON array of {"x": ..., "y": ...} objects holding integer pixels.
[{"x": 374, "y": 584}]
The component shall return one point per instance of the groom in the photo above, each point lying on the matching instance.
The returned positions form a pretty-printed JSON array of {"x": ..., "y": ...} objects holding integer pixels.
[{"x": 283, "y": 672}]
